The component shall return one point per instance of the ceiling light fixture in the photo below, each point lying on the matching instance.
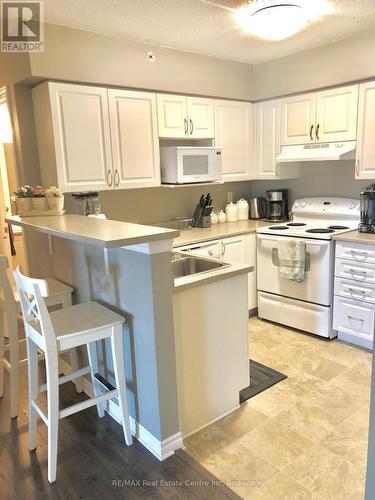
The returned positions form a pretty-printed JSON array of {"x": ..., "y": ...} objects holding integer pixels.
[{"x": 277, "y": 20}]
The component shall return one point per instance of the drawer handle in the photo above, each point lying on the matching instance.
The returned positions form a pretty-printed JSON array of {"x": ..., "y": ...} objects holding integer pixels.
[
  {"x": 357, "y": 271},
  {"x": 354, "y": 318},
  {"x": 360, "y": 252},
  {"x": 356, "y": 290}
]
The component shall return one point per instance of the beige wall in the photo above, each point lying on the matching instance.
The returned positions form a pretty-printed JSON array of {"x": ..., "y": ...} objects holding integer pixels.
[
  {"x": 344, "y": 61},
  {"x": 82, "y": 56},
  {"x": 161, "y": 204}
]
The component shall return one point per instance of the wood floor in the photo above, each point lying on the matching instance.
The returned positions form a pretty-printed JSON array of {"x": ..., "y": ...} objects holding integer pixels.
[{"x": 93, "y": 461}]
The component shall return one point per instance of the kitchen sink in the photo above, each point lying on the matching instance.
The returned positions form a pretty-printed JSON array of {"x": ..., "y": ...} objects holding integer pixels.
[{"x": 185, "y": 265}]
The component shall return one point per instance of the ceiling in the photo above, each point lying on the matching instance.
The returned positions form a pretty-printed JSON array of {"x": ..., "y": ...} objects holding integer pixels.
[{"x": 205, "y": 26}]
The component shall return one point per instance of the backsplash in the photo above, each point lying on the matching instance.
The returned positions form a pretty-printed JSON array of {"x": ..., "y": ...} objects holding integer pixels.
[
  {"x": 152, "y": 205},
  {"x": 163, "y": 203}
]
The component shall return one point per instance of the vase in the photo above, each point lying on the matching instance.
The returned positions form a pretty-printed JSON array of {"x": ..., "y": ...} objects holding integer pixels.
[
  {"x": 40, "y": 204},
  {"x": 23, "y": 205},
  {"x": 56, "y": 203}
]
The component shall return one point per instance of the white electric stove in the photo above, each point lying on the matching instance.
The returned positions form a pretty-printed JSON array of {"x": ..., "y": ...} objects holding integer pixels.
[{"x": 308, "y": 305}]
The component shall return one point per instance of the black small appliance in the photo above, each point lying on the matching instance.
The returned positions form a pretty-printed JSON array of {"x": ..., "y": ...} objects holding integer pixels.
[
  {"x": 367, "y": 207},
  {"x": 277, "y": 205}
]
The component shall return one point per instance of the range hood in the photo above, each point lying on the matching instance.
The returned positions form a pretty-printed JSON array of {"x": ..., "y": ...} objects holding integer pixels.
[{"x": 318, "y": 152}]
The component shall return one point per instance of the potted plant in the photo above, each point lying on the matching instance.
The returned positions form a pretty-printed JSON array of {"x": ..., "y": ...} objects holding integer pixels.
[
  {"x": 55, "y": 198},
  {"x": 39, "y": 199},
  {"x": 23, "y": 197}
]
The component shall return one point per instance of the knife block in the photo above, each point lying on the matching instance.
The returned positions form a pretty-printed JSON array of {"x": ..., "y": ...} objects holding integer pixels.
[{"x": 202, "y": 217}]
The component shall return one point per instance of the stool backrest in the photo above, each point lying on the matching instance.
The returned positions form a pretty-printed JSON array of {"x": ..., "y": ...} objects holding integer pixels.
[
  {"x": 35, "y": 313},
  {"x": 7, "y": 300}
]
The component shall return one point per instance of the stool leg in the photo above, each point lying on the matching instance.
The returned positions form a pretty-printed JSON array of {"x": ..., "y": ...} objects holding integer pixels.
[
  {"x": 93, "y": 360},
  {"x": 75, "y": 366},
  {"x": 2, "y": 333},
  {"x": 14, "y": 366},
  {"x": 32, "y": 369},
  {"x": 52, "y": 370},
  {"x": 117, "y": 345}
]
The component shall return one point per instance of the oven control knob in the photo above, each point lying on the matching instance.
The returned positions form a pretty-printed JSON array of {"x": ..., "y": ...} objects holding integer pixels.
[
  {"x": 351, "y": 205},
  {"x": 296, "y": 204},
  {"x": 303, "y": 204}
]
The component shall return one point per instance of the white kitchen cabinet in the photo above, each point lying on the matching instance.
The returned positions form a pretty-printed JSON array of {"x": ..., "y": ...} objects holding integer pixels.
[
  {"x": 354, "y": 302},
  {"x": 93, "y": 139},
  {"x": 185, "y": 117},
  {"x": 365, "y": 155},
  {"x": 233, "y": 133},
  {"x": 336, "y": 114},
  {"x": 326, "y": 116},
  {"x": 242, "y": 250},
  {"x": 267, "y": 143},
  {"x": 298, "y": 115},
  {"x": 73, "y": 134},
  {"x": 135, "y": 143}
]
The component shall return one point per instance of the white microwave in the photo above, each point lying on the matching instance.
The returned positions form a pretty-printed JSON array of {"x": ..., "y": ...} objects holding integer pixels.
[{"x": 184, "y": 165}]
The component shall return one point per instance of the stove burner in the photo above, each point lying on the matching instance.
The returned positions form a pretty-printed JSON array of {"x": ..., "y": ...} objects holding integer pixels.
[
  {"x": 337, "y": 228},
  {"x": 320, "y": 230},
  {"x": 296, "y": 224},
  {"x": 278, "y": 228}
]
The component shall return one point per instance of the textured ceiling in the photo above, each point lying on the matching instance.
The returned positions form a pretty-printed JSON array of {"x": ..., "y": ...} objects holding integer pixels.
[{"x": 205, "y": 26}]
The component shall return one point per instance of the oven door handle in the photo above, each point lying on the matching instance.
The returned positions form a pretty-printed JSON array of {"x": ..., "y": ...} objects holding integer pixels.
[{"x": 308, "y": 242}]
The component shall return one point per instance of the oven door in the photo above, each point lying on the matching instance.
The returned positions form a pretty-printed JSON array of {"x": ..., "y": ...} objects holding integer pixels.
[
  {"x": 196, "y": 165},
  {"x": 318, "y": 283}
]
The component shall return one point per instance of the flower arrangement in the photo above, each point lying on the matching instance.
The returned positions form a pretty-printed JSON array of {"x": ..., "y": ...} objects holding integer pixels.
[
  {"x": 24, "y": 192},
  {"x": 54, "y": 192},
  {"x": 38, "y": 192}
]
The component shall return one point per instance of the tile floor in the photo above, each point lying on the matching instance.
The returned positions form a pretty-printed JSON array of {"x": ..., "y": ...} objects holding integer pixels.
[{"x": 304, "y": 438}]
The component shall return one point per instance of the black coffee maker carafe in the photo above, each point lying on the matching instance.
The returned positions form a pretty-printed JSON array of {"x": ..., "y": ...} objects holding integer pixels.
[{"x": 367, "y": 198}]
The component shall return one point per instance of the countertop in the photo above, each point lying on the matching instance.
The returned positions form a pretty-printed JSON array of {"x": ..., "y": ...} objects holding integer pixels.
[
  {"x": 356, "y": 236},
  {"x": 217, "y": 231},
  {"x": 103, "y": 233}
]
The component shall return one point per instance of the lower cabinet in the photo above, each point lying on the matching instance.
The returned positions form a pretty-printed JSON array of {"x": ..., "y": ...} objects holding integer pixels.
[{"x": 354, "y": 301}]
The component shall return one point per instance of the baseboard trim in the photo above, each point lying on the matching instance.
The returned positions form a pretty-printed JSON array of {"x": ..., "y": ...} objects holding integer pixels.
[{"x": 160, "y": 449}]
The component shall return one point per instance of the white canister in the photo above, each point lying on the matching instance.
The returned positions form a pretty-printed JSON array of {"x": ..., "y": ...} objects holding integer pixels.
[
  {"x": 214, "y": 218},
  {"x": 243, "y": 209},
  {"x": 222, "y": 217},
  {"x": 231, "y": 211}
]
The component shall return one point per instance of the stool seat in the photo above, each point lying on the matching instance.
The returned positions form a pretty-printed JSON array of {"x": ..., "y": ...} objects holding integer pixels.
[{"x": 82, "y": 323}]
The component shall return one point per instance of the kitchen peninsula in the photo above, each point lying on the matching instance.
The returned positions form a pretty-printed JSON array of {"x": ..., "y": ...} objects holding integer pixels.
[{"x": 127, "y": 267}]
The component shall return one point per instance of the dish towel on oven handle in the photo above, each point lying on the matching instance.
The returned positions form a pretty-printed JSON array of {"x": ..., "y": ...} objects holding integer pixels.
[{"x": 292, "y": 258}]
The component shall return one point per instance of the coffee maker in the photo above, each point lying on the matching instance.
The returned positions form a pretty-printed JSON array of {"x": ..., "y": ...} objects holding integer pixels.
[
  {"x": 367, "y": 198},
  {"x": 277, "y": 205}
]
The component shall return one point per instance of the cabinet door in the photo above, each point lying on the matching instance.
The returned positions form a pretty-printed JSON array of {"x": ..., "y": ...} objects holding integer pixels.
[
  {"x": 242, "y": 250},
  {"x": 233, "y": 132},
  {"x": 267, "y": 139},
  {"x": 135, "y": 144},
  {"x": 201, "y": 117},
  {"x": 172, "y": 116},
  {"x": 298, "y": 119},
  {"x": 336, "y": 114},
  {"x": 81, "y": 132},
  {"x": 365, "y": 164}
]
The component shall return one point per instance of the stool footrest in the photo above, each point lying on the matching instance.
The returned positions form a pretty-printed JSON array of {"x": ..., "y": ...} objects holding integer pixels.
[
  {"x": 68, "y": 378},
  {"x": 87, "y": 404},
  {"x": 39, "y": 412}
]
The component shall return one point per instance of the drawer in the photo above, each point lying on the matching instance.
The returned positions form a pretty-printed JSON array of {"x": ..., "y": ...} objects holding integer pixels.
[
  {"x": 353, "y": 317},
  {"x": 358, "y": 252},
  {"x": 355, "y": 290},
  {"x": 355, "y": 271}
]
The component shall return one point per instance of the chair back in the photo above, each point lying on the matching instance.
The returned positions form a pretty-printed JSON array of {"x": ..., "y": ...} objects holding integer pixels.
[
  {"x": 38, "y": 324},
  {"x": 7, "y": 301}
]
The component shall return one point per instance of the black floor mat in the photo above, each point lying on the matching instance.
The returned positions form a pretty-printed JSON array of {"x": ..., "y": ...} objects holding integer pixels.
[{"x": 261, "y": 378}]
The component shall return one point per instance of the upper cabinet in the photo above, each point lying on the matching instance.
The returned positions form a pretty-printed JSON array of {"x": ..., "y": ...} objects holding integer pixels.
[
  {"x": 181, "y": 117},
  {"x": 326, "y": 116},
  {"x": 365, "y": 161},
  {"x": 89, "y": 137},
  {"x": 298, "y": 119},
  {"x": 73, "y": 133},
  {"x": 267, "y": 143},
  {"x": 233, "y": 133},
  {"x": 336, "y": 114},
  {"x": 135, "y": 143}
]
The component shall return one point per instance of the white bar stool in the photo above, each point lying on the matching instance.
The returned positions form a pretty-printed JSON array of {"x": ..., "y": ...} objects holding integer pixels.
[
  {"x": 55, "y": 332},
  {"x": 57, "y": 294}
]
